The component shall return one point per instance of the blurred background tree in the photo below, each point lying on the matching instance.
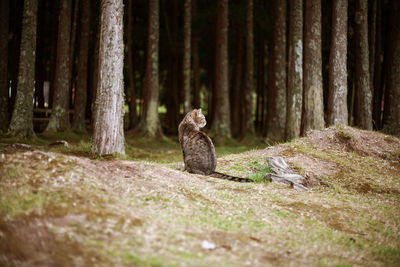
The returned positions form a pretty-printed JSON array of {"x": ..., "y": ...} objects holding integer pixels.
[{"x": 234, "y": 59}]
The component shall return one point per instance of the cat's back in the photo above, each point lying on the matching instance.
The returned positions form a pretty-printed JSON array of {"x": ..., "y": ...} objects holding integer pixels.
[{"x": 199, "y": 153}]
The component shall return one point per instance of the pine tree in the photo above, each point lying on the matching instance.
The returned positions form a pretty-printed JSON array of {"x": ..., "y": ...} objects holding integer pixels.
[
  {"x": 196, "y": 61},
  {"x": 248, "y": 126},
  {"x": 21, "y": 124},
  {"x": 187, "y": 20},
  {"x": 377, "y": 72},
  {"x": 132, "y": 88},
  {"x": 149, "y": 124},
  {"x": 363, "y": 116},
  {"x": 173, "y": 100},
  {"x": 108, "y": 129},
  {"x": 337, "y": 96},
  {"x": 276, "y": 120},
  {"x": 235, "y": 95},
  {"x": 312, "y": 68},
  {"x": 4, "y": 11},
  {"x": 392, "y": 103},
  {"x": 78, "y": 122},
  {"x": 221, "y": 126},
  {"x": 59, "y": 119},
  {"x": 295, "y": 70}
]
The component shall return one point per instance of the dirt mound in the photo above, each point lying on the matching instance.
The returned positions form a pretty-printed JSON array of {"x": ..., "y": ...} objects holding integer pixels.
[
  {"x": 348, "y": 139},
  {"x": 332, "y": 151}
]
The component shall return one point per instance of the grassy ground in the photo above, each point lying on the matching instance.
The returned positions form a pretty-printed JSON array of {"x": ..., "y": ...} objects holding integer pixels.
[
  {"x": 61, "y": 206},
  {"x": 162, "y": 150}
]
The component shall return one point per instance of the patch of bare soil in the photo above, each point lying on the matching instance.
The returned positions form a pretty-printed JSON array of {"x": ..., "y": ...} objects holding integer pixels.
[
  {"x": 364, "y": 143},
  {"x": 61, "y": 210}
]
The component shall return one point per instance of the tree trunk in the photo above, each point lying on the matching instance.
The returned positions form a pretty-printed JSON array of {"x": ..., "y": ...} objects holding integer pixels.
[
  {"x": 59, "y": 119},
  {"x": 313, "y": 101},
  {"x": 172, "y": 97},
  {"x": 79, "y": 117},
  {"x": 96, "y": 67},
  {"x": 132, "y": 89},
  {"x": 4, "y": 11},
  {"x": 108, "y": 132},
  {"x": 187, "y": 21},
  {"x": 377, "y": 80},
  {"x": 337, "y": 97},
  {"x": 53, "y": 50},
  {"x": 40, "y": 54},
  {"x": 248, "y": 123},
  {"x": 15, "y": 27},
  {"x": 392, "y": 105},
  {"x": 75, "y": 12},
  {"x": 372, "y": 39},
  {"x": 221, "y": 126},
  {"x": 277, "y": 83},
  {"x": 295, "y": 70},
  {"x": 260, "y": 85},
  {"x": 235, "y": 96},
  {"x": 363, "y": 116},
  {"x": 21, "y": 121},
  {"x": 195, "y": 64},
  {"x": 149, "y": 124}
]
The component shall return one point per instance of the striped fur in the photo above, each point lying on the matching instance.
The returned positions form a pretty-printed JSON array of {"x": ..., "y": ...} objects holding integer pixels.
[
  {"x": 197, "y": 148},
  {"x": 230, "y": 178}
]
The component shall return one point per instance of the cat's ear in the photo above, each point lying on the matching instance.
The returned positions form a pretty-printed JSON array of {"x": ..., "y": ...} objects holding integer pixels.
[
  {"x": 194, "y": 113},
  {"x": 199, "y": 110}
]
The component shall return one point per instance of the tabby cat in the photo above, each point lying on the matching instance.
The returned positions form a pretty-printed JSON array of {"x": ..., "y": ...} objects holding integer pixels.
[{"x": 198, "y": 149}]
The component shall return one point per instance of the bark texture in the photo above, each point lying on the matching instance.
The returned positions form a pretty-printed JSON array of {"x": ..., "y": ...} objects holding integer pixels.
[
  {"x": 295, "y": 70},
  {"x": 221, "y": 125},
  {"x": 196, "y": 62},
  {"x": 74, "y": 25},
  {"x": 363, "y": 115},
  {"x": 173, "y": 82},
  {"x": 132, "y": 89},
  {"x": 95, "y": 75},
  {"x": 377, "y": 78},
  {"x": 312, "y": 84},
  {"x": 78, "y": 122},
  {"x": 187, "y": 21},
  {"x": 59, "y": 119},
  {"x": 149, "y": 124},
  {"x": 277, "y": 83},
  {"x": 108, "y": 130},
  {"x": 337, "y": 96},
  {"x": 248, "y": 124},
  {"x": 4, "y": 11},
  {"x": 235, "y": 96},
  {"x": 392, "y": 123},
  {"x": 21, "y": 121},
  {"x": 372, "y": 38}
]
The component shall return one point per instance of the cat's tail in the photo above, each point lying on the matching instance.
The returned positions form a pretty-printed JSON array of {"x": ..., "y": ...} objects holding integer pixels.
[{"x": 230, "y": 178}]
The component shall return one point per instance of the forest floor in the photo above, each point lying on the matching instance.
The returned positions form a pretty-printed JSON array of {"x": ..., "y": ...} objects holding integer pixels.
[{"x": 59, "y": 206}]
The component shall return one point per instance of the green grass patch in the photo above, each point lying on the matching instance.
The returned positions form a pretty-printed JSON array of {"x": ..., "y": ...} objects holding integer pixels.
[
  {"x": 151, "y": 261},
  {"x": 389, "y": 255},
  {"x": 69, "y": 136},
  {"x": 261, "y": 170},
  {"x": 17, "y": 203}
]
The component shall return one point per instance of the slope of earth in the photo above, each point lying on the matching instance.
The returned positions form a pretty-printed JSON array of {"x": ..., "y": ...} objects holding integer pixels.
[{"x": 64, "y": 210}]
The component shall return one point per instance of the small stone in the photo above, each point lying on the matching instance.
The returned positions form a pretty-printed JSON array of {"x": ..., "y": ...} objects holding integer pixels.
[{"x": 208, "y": 245}]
